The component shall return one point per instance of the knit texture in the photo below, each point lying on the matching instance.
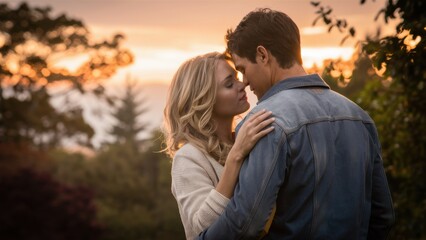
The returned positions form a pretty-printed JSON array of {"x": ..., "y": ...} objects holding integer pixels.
[{"x": 194, "y": 178}]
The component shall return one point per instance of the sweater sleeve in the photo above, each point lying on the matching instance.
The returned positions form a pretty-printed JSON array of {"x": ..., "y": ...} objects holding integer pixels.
[{"x": 194, "y": 189}]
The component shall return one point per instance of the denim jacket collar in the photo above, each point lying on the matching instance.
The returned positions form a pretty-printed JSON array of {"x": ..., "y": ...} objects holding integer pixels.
[{"x": 311, "y": 80}]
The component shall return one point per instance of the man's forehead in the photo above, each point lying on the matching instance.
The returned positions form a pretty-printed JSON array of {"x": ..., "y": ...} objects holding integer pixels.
[
  {"x": 235, "y": 57},
  {"x": 238, "y": 61}
]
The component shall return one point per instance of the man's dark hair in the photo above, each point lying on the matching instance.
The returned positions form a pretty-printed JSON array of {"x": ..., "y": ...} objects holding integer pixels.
[{"x": 271, "y": 29}]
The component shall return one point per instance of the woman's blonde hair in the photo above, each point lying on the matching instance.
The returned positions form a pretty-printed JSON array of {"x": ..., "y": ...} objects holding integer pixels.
[{"x": 189, "y": 108}]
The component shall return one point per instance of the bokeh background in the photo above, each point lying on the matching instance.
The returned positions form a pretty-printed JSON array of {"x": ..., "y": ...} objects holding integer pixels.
[{"x": 83, "y": 84}]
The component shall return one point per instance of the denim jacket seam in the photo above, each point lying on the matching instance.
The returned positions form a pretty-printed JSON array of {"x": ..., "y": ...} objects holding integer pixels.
[
  {"x": 261, "y": 193},
  {"x": 311, "y": 80},
  {"x": 314, "y": 203},
  {"x": 290, "y": 130}
]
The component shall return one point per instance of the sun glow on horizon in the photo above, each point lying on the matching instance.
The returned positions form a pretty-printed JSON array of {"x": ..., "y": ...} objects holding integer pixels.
[
  {"x": 160, "y": 64},
  {"x": 313, "y": 30},
  {"x": 316, "y": 55}
]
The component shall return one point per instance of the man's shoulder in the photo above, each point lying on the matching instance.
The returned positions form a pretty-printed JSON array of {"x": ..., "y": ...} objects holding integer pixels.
[{"x": 294, "y": 108}]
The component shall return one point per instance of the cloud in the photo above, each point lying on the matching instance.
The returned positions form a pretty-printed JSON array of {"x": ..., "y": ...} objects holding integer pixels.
[{"x": 314, "y": 30}]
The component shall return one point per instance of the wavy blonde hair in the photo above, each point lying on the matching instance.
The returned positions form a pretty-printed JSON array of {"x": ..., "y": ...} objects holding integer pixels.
[{"x": 189, "y": 108}]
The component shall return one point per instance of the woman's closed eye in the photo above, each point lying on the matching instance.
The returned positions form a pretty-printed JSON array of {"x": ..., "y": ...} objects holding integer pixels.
[{"x": 229, "y": 84}]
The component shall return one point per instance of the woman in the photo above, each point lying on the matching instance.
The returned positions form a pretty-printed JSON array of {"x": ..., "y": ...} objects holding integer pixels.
[{"x": 205, "y": 96}]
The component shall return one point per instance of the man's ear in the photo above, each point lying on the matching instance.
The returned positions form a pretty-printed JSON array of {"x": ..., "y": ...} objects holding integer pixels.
[{"x": 262, "y": 55}]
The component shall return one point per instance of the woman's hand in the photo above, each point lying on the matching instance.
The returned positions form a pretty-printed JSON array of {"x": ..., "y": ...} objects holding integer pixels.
[{"x": 250, "y": 132}]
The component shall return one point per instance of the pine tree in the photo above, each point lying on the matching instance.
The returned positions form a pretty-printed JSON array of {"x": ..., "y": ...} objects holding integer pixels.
[{"x": 127, "y": 114}]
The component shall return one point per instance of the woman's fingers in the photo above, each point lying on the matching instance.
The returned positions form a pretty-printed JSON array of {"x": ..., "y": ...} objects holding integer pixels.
[
  {"x": 259, "y": 117},
  {"x": 256, "y": 115},
  {"x": 252, "y": 130},
  {"x": 263, "y": 124},
  {"x": 260, "y": 120},
  {"x": 264, "y": 132},
  {"x": 256, "y": 126}
]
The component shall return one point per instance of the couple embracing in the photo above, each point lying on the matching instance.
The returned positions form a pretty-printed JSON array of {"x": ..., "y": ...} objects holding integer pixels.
[{"x": 305, "y": 163}]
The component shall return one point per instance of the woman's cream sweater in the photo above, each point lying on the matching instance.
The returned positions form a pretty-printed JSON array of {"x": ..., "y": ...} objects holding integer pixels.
[{"x": 194, "y": 178}]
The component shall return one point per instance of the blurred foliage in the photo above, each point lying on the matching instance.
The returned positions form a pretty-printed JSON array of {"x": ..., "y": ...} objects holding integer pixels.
[
  {"x": 14, "y": 157},
  {"x": 134, "y": 179},
  {"x": 132, "y": 191},
  {"x": 393, "y": 93},
  {"x": 121, "y": 191},
  {"x": 157, "y": 167},
  {"x": 130, "y": 177},
  {"x": 35, "y": 206},
  {"x": 349, "y": 77},
  {"x": 124, "y": 198},
  {"x": 32, "y": 42}
]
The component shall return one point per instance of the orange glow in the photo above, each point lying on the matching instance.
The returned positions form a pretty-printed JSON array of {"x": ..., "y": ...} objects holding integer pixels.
[
  {"x": 27, "y": 70},
  {"x": 12, "y": 65},
  {"x": 45, "y": 72},
  {"x": 381, "y": 71},
  {"x": 41, "y": 82},
  {"x": 313, "y": 30},
  {"x": 96, "y": 73},
  {"x": 71, "y": 63},
  {"x": 3, "y": 39},
  {"x": 60, "y": 86},
  {"x": 408, "y": 39},
  {"x": 159, "y": 64},
  {"x": 410, "y": 42},
  {"x": 317, "y": 55}
]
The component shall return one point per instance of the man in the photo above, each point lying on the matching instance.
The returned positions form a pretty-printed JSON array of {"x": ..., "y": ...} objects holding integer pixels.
[{"x": 322, "y": 165}]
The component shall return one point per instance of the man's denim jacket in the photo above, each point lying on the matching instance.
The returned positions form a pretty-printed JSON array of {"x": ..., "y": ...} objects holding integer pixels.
[{"x": 321, "y": 167}]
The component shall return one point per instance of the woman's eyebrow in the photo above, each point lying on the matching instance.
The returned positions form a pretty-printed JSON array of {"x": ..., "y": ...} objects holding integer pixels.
[{"x": 230, "y": 76}]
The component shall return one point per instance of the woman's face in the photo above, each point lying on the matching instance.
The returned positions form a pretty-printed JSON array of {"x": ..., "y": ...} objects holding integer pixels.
[{"x": 231, "y": 97}]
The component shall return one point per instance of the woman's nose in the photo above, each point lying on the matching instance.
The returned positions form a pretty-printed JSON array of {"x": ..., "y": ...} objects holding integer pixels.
[{"x": 242, "y": 86}]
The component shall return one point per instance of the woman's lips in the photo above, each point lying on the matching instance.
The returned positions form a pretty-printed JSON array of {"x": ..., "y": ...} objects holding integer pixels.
[{"x": 243, "y": 98}]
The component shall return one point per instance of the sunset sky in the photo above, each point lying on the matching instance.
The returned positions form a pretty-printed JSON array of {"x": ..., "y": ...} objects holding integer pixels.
[{"x": 163, "y": 33}]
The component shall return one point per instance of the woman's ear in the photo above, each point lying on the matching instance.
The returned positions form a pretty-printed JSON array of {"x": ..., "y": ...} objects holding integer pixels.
[{"x": 262, "y": 54}]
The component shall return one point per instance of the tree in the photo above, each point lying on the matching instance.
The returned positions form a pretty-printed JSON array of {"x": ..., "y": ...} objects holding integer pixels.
[
  {"x": 397, "y": 104},
  {"x": 133, "y": 192},
  {"x": 124, "y": 198},
  {"x": 31, "y": 43},
  {"x": 158, "y": 167},
  {"x": 128, "y": 114},
  {"x": 350, "y": 77},
  {"x": 400, "y": 56}
]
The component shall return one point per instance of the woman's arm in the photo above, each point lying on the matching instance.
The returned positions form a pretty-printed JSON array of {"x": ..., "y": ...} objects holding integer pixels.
[
  {"x": 200, "y": 204},
  {"x": 250, "y": 132},
  {"x": 193, "y": 178}
]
